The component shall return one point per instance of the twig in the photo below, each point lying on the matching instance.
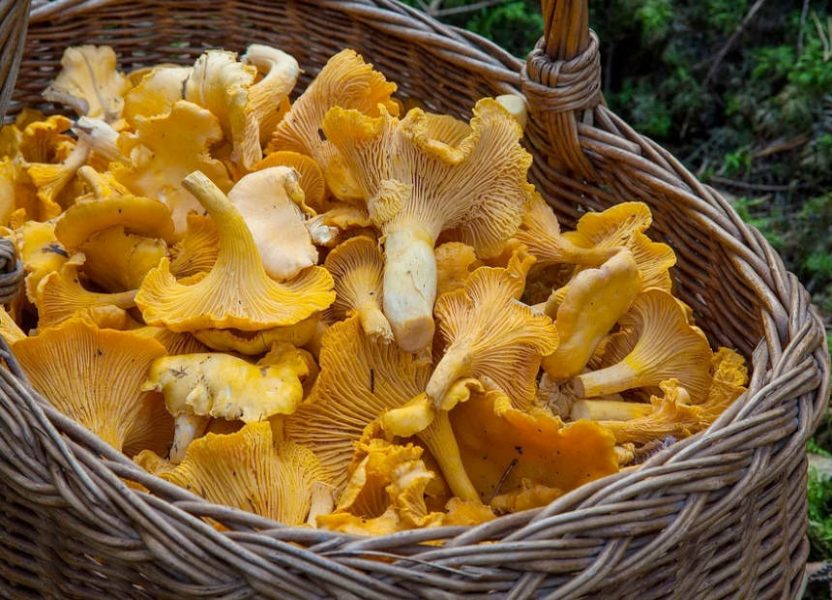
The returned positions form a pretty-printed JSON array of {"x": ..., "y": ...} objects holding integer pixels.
[
  {"x": 434, "y": 7},
  {"x": 731, "y": 40},
  {"x": 460, "y": 10},
  {"x": 757, "y": 187},
  {"x": 782, "y": 145},
  {"x": 804, "y": 12}
]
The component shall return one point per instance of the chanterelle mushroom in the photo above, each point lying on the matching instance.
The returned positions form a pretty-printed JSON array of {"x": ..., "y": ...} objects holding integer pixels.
[
  {"x": 357, "y": 267},
  {"x": 199, "y": 386},
  {"x": 237, "y": 292},
  {"x": 89, "y": 83},
  {"x": 92, "y": 375},
  {"x": 418, "y": 185},
  {"x": 269, "y": 201},
  {"x": 246, "y": 470},
  {"x": 667, "y": 347},
  {"x": 491, "y": 335}
]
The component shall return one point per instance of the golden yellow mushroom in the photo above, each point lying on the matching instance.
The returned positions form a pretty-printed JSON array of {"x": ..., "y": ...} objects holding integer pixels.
[
  {"x": 236, "y": 292},
  {"x": 155, "y": 93},
  {"x": 477, "y": 186},
  {"x": 667, "y": 347},
  {"x": 269, "y": 201},
  {"x": 197, "y": 251},
  {"x": 9, "y": 330},
  {"x": 246, "y": 470},
  {"x": 51, "y": 179},
  {"x": 492, "y": 336},
  {"x": 89, "y": 83},
  {"x": 594, "y": 302},
  {"x": 257, "y": 342},
  {"x": 46, "y": 141},
  {"x": 200, "y": 386},
  {"x": 502, "y": 446},
  {"x": 92, "y": 375},
  {"x": 454, "y": 263},
  {"x": 311, "y": 178},
  {"x": 166, "y": 148},
  {"x": 40, "y": 251},
  {"x": 357, "y": 267},
  {"x": 118, "y": 261}
]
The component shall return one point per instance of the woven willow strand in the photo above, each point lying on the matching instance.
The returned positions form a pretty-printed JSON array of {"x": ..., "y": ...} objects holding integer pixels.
[{"x": 718, "y": 515}]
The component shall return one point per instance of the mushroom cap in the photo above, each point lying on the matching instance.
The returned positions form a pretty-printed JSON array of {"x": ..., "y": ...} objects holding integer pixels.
[
  {"x": 246, "y": 470},
  {"x": 61, "y": 295},
  {"x": 175, "y": 343},
  {"x": 269, "y": 201},
  {"x": 166, "y": 148},
  {"x": 345, "y": 80},
  {"x": 9, "y": 330},
  {"x": 40, "y": 251},
  {"x": 501, "y": 446},
  {"x": 667, "y": 347},
  {"x": 236, "y": 292},
  {"x": 45, "y": 141},
  {"x": 155, "y": 93},
  {"x": 492, "y": 336},
  {"x": 226, "y": 387},
  {"x": 51, "y": 179},
  {"x": 89, "y": 83},
  {"x": 357, "y": 268},
  {"x": 594, "y": 302},
  {"x": 361, "y": 377},
  {"x": 92, "y": 375},
  {"x": 257, "y": 342},
  {"x": 142, "y": 216},
  {"x": 310, "y": 176},
  {"x": 118, "y": 261}
]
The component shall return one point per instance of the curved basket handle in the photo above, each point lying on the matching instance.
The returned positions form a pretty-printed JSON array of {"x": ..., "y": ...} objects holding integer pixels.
[
  {"x": 562, "y": 80},
  {"x": 14, "y": 17}
]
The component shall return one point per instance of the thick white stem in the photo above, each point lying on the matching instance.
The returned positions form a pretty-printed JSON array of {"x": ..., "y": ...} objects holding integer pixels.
[
  {"x": 187, "y": 428},
  {"x": 410, "y": 286}
]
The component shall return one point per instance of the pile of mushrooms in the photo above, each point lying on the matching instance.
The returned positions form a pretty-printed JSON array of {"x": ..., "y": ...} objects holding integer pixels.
[{"x": 328, "y": 311}]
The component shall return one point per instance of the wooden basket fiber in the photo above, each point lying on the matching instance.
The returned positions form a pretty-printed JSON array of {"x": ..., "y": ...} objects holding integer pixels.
[{"x": 719, "y": 515}]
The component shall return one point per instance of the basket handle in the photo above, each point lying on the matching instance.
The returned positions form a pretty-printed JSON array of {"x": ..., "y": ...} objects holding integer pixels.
[{"x": 562, "y": 80}]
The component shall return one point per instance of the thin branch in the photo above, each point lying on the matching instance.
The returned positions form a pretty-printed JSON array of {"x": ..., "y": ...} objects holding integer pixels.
[
  {"x": 461, "y": 10},
  {"x": 804, "y": 12},
  {"x": 732, "y": 40},
  {"x": 756, "y": 187}
]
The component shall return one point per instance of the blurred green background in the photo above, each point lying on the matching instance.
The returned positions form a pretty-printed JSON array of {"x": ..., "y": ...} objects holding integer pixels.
[{"x": 741, "y": 92}]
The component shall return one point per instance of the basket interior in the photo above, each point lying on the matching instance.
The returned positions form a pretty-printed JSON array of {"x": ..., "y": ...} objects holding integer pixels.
[{"x": 145, "y": 32}]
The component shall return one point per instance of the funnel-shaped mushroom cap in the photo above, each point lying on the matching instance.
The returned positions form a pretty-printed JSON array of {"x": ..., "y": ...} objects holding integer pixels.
[
  {"x": 118, "y": 261},
  {"x": 528, "y": 495},
  {"x": 357, "y": 267},
  {"x": 328, "y": 228},
  {"x": 245, "y": 470},
  {"x": 156, "y": 93},
  {"x": 311, "y": 178},
  {"x": 174, "y": 343},
  {"x": 109, "y": 207},
  {"x": 501, "y": 446},
  {"x": 477, "y": 187},
  {"x": 540, "y": 232},
  {"x": 346, "y": 81},
  {"x": 668, "y": 347},
  {"x": 253, "y": 343},
  {"x": 197, "y": 251},
  {"x": 19, "y": 201},
  {"x": 153, "y": 429},
  {"x": 236, "y": 292},
  {"x": 269, "y": 202},
  {"x": 45, "y": 141},
  {"x": 61, "y": 295},
  {"x": 454, "y": 263},
  {"x": 51, "y": 179},
  {"x": 91, "y": 375},
  {"x": 596, "y": 299},
  {"x": 41, "y": 253},
  {"x": 491, "y": 335},
  {"x": 402, "y": 497},
  {"x": 166, "y": 148},
  {"x": 89, "y": 83},
  {"x": 268, "y": 96},
  {"x": 361, "y": 377},
  {"x": 9, "y": 330}
]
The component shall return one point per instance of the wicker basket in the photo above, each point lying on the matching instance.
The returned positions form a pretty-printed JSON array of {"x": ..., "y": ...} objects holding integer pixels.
[{"x": 722, "y": 514}]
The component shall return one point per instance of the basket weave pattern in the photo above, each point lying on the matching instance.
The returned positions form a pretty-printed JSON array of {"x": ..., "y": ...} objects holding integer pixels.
[{"x": 722, "y": 514}]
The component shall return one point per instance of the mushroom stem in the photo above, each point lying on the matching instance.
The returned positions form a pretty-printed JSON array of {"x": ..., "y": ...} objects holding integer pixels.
[
  {"x": 373, "y": 321},
  {"x": 410, "y": 286},
  {"x": 321, "y": 502},
  {"x": 188, "y": 427},
  {"x": 613, "y": 379},
  {"x": 440, "y": 440},
  {"x": 609, "y": 410},
  {"x": 455, "y": 364}
]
